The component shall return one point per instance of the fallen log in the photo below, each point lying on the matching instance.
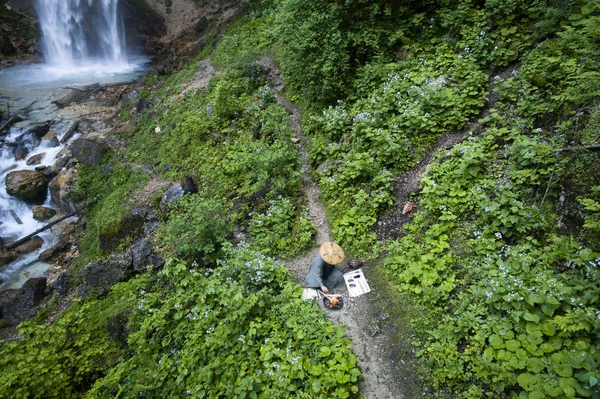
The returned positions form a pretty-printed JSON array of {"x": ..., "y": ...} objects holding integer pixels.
[
  {"x": 46, "y": 227},
  {"x": 11, "y": 120},
  {"x": 70, "y": 132}
]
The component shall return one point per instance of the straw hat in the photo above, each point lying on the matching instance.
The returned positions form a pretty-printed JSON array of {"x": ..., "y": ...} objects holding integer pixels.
[{"x": 331, "y": 253}]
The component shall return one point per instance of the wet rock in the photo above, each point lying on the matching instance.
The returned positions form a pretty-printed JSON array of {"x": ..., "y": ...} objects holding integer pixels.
[
  {"x": 50, "y": 135},
  {"x": 144, "y": 255},
  {"x": 98, "y": 276},
  {"x": 42, "y": 213},
  {"x": 62, "y": 159},
  {"x": 19, "y": 305},
  {"x": 89, "y": 149},
  {"x": 21, "y": 153},
  {"x": 28, "y": 185},
  {"x": 40, "y": 131},
  {"x": 35, "y": 159},
  {"x": 60, "y": 188},
  {"x": 54, "y": 250},
  {"x": 6, "y": 257},
  {"x": 174, "y": 192},
  {"x": 30, "y": 245},
  {"x": 52, "y": 138}
]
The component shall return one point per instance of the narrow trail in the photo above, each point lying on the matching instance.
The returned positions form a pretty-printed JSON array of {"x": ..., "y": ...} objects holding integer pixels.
[{"x": 386, "y": 364}]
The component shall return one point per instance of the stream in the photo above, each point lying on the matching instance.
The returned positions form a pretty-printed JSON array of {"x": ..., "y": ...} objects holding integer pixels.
[{"x": 83, "y": 44}]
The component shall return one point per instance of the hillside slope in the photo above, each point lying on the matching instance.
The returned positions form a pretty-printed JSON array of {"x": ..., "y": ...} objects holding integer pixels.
[{"x": 491, "y": 106}]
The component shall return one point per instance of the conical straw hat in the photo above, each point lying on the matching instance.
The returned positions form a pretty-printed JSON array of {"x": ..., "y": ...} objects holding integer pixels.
[{"x": 331, "y": 253}]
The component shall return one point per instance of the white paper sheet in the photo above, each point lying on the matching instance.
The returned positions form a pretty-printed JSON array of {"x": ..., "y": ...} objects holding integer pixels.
[{"x": 356, "y": 283}]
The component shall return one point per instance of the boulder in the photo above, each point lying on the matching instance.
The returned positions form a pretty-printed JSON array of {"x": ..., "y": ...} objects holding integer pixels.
[
  {"x": 50, "y": 135},
  {"x": 174, "y": 192},
  {"x": 54, "y": 250},
  {"x": 143, "y": 255},
  {"x": 89, "y": 149},
  {"x": 27, "y": 185},
  {"x": 17, "y": 306},
  {"x": 21, "y": 153},
  {"x": 30, "y": 245},
  {"x": 35, "y": 159},
  {"x": 60, "y": 188},
  {"x": 40, "y": 131},
  {"x": 42, "y": 213},
  {"x": 98, "y": 276},
  {"x": 62, "y": 159}
]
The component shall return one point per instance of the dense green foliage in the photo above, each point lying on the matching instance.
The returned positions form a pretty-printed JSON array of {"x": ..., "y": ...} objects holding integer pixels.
[
  {"x": 239, "y": 330},
  {"x": 518, "y": 295},
  {"x": 501, "y": 257}
]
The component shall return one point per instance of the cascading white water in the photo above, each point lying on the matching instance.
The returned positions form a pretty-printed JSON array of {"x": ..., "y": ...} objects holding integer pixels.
[{"x": 80, "y": 33}]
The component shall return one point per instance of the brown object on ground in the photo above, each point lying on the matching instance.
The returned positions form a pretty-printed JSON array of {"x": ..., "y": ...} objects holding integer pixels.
[
  {"x": 331, "y": 253},
  {"x": 408, "y": 207}
]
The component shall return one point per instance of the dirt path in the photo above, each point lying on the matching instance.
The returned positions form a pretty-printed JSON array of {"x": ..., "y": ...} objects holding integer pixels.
[{"x": 385, "y": 361}]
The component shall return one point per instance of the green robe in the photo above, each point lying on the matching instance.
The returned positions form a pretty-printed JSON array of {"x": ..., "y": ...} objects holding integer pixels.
[{"x": 322, "y": 273}]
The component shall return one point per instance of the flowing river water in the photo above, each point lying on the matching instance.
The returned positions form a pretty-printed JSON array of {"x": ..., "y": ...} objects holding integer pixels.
[{"x": 75, "y": 56}]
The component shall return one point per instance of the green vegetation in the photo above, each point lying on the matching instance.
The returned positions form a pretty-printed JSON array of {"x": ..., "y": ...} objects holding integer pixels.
[{"x": 500, "y": 260}]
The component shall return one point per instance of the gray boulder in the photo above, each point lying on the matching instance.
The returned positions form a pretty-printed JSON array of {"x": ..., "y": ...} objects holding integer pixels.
[
  {"x": 174, "y": 192},
  {"x": 19, "y": 305},
  {"x": 89, "y": 149},
  {"x": 28, "y": 185},
  {"x": 143, "y": 256},
  {"x": 102, "y": 274}
]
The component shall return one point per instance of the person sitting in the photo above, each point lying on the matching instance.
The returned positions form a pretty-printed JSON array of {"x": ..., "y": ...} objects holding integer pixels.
[{"x": 322, "y": 273}]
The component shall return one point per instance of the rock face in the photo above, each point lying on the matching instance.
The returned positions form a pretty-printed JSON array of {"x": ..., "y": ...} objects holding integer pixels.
[
  {"x": 102, "y": 274},
  {"x": 143, "y": 256},
  {"x": 141, "y": 23},
  {"x": 89, "y": 149},
  {"x": 42, "y": 213},
  {"x": 61, "y": 187},
  {"x": 27, "y": 185},
  {"x": 19, "y": 305}
]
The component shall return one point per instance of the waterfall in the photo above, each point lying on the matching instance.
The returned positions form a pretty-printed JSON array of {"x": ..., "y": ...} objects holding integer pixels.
[{"x": 81, "y": 32}]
